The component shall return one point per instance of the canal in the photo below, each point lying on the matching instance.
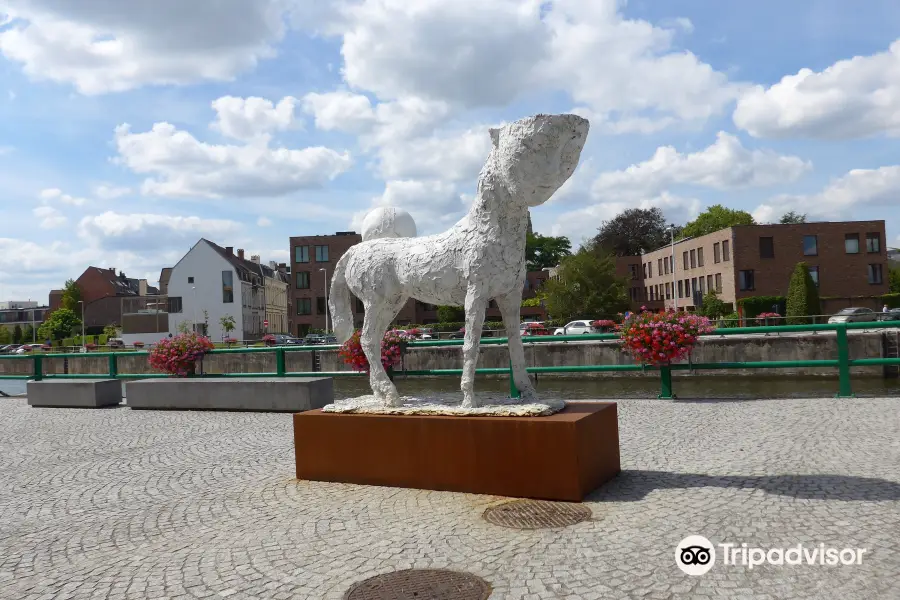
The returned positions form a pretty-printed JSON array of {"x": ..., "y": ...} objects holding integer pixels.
[{"x": 619, "y": 387}]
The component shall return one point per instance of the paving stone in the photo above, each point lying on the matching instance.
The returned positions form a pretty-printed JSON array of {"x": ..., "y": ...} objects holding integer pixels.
[{"x": 138, "y": 505}]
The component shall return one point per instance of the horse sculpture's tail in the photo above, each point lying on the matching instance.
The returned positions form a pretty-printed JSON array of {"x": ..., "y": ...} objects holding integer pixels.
[{"x": 339, "y": 302}]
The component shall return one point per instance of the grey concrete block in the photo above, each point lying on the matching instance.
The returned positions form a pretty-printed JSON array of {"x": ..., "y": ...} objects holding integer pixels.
[
  {"x": 275, "y": 394},
  {"x": 74, "y": 393}
]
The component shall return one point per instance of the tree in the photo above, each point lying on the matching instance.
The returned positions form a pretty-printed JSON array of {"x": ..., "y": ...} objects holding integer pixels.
[
  {"x": 894, "y": 278},
  {"x": 450, "y": 314},
  {"x": 28, "y": 333},
  {"x": 803, "y": 296},
  {"x": 228, "y": 324},
  {"x": 633, "y": 231},
  {"x": 70, "y": 296},
  {"x": 110, "y": 331},
  {"x": 545, "y": 251},
  {"x": 712, "y": 306},
  {"x": 59, "y": 324},
  {"x": 792, "y": 218},
  {"x": 714, "y": 218},
  {"x": 17, "y": 334},
  {"x": 5, "y": 335},
  {"x": 587, "y": 287}
]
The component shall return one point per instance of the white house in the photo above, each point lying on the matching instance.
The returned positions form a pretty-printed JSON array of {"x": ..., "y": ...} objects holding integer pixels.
[{"x": 211, "y": 282}]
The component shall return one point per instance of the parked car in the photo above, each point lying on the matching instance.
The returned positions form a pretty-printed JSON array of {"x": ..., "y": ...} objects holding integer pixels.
[
  {"x": 854, "y": 315},
  {"x": 313, "y": 339},
  {"x": 330, "y": 339},
  {"x": 891, "y": 315},
  {"x": 115, "y": 342},
  {"x": 22, "y": 349},
  {"x": 575, "y": 328},
  {"x": 283, "y": 339},
  {"x": 11, "y": 349}
]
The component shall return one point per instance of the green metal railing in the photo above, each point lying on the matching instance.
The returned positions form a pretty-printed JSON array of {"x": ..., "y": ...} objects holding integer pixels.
[{"x": 843, "y": 362}]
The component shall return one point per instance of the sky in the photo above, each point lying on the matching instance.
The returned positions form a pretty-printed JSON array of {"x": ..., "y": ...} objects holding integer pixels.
[{"x": 129, "y": 130}]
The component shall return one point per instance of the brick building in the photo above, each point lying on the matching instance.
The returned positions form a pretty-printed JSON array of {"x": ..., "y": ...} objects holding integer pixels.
[
  {"x": 847, "y": 260},
  {"x": 314, "y": 257},
  {"x": 102, "y": 291}
]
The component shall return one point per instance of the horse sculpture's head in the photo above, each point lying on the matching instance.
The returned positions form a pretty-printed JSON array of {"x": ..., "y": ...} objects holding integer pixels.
[{"x": 536, "y": 155}]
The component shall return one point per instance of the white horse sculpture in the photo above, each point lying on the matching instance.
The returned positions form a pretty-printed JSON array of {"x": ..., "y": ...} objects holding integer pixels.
[{"x": 480, "y": 258}]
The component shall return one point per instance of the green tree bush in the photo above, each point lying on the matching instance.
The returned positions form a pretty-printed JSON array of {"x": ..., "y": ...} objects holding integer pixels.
[
  {"x": 803, "y": 296},
  {"x": 587, "y": 287},
  {"x": 70, "y": 296},
  {"x": 894, "y": 278},
  {"x": 712, "y": 308},
  {"x": 28, "y": 334},
  {"x": 447, "y": 314},
  {"x": 228, "y": 324},
  {"x": 5, "y": 335},
  {"x": 545, "y": 251},
  {"x": 714, "y": 218},
  {"x": 59, "y": 324},
  {"x": 17, "y": 334}
]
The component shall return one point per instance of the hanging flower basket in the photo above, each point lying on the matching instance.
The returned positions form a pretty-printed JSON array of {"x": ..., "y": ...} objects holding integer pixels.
[
  {"x": 178, "y": 355},
  {"x": 392, "y": 346},
  {"x": 660, "y": 339},
  {"x": 603, "y": 325},
  {"x": 229, "y": 341}
]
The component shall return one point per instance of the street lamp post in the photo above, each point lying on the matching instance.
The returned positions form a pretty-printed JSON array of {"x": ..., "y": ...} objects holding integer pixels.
[
  {"x": 83, "y": 348},
  {"x": 33, "y": 330},
  {"x": 674, "y": 287},
  {"x": 325, "y": 270}
]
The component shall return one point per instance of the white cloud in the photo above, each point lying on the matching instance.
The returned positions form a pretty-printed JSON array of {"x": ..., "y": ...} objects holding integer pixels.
[
  {"x": 448, "y": 157},
  {"x": 102, "y": 46},
  {"x": 148, "y": 231},
  {"x": 264, "y": 222},
  {"x": 50, "y": 217},
  {"x": 433, "y": 205},
  {"x": 253, "y": 117},
  {"x": 110, "y": 192},
  {"x": 852, "y": 98},
  {"x": 724, "y": 165},
  {"x": 182, "y": 166},
  {"x": 842, "y": 198},
  {"x": 6, "y": 150},
  {"x": 57, "y": 194}
]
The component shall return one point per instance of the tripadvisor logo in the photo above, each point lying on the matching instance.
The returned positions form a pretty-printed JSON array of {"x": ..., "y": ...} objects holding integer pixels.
[{"x": 696, "y": 555}]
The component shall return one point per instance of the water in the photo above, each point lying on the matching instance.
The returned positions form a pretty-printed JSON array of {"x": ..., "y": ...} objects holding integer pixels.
[{"x": 615, "y": 387}]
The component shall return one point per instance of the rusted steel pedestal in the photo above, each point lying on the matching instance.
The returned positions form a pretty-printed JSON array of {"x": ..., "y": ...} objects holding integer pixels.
[{"x": 561, "y": 457}]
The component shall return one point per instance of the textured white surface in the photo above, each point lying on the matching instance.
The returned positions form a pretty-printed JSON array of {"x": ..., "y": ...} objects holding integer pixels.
[
  {"x": 496, "y": 407},
  {"x": 480, "y": 258},
  {"x": 388, "y": 222}
]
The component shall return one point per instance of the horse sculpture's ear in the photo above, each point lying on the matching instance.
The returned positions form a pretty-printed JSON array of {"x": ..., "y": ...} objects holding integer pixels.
[{"x": 495, "y": 136}]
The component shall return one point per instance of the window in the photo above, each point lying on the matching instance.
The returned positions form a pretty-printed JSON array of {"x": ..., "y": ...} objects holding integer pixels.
[
  {"x": 718, "y": 283},
  {"x": 810, "y": 245},
  {"x": 726, "y": 251},
  {"x": 304, "y": 306},
  {"x": 875, "y": 275},
  {"x": 766, "y": 247},
  {"x": 717, "y": 254},
  {"x": 851, "y": 243},
  {"x": 227, "y": 287},
  {"x": 666, "y": 264},
  {"x": 174, "y": 304},
  {"x": 873, "y": 243},
  {"x": 190, "y": 280},
  {"x": 702, "y": 290},
  {"x": 668, "y": 291},
  {"x": 321, "y": 307},
  {"x": 301, "y": 254},
  {"x": 693, "y": 286},
  {"x": 685, "y": 260},
  {"x": 321, "y": 253},
  {"x": 693, "y": 258},
  {"x": 634, "y": 271},
  {"x": 659, "y": 267},
  {"x": 699, "y": 257},
  {"x": 814, "y": 274},
  {"x": 645, "y": 270},
  {"x": 680, "y": 289},
  {"x": 302, "y": 280},
  {"x": 745, "y": 280},
  {"x": 709, "y": 283},
  {"x": 650, "y": 269}
]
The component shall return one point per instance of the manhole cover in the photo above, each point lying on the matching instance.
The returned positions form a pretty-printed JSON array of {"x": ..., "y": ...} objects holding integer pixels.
[
  {"x": 420, "y": 584},
  {"x": 536, "y": 514}
]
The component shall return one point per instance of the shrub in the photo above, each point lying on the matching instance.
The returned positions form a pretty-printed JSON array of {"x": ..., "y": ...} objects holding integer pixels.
[
  {"x": 450, "y": 313},
  {"x": 712, "y": 306},
  {"x": 392, "y": 345},
  {"x": 662, "y": 338},
  {"x": 755, "y": 305},
  {"x": 178, "y": 355},
  {"x": 731, "y": 320},
  {"x": 766, "y": 317},
  {"x": 892, "y": 300},
  {"x": 803, "y": 296}
]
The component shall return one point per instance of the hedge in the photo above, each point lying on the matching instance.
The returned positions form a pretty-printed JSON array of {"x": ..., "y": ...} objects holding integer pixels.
[
  {"x": 759, "y": 304},
  {"x": 803, "y": 296},
  {"x": 892, "y": 300}
]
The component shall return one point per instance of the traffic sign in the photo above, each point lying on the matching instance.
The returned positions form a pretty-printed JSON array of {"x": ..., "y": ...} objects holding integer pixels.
[{"x": 266, "y": 323}]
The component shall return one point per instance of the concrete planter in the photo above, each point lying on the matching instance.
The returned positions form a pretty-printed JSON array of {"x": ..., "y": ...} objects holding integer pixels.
[
  {"x": 285, "y": 394},
  {"x": 74, "y": 393}
]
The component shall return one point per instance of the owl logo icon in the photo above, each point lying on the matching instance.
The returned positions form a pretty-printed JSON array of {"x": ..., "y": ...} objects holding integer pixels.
[{"x": 695, "y": 555}]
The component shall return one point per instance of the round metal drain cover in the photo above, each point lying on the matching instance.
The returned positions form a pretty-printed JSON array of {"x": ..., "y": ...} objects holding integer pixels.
[
  {"x": 536, "y": 514},
  {"x": 421, "y": 584}
]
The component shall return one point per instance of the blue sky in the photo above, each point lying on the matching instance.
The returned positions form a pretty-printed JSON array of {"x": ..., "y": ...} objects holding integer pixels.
[{"x": 129, "y": 130}]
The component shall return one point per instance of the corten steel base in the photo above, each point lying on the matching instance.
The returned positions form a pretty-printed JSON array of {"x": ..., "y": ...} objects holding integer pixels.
[{"x": 561, "y": 457}]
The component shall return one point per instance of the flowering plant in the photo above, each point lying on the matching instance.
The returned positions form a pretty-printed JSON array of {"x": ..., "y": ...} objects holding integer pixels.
[
  {"x": 177, "y": 355},
  {"x": 662, "y": 338},
  {"x": 230, "y": 340},
  {"x": 762, "y": 318},
  {"x": 138, "y": 344},
  {"x": 392, "y": 345},
  {"x": 269, "y": 339},
  {"x": 90, "y": 346},
  {"x": 603, "y": 323}
]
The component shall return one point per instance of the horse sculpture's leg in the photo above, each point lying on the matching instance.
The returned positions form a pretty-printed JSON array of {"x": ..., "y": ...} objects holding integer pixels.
[
  {"x": 509, "y": 310},
  {"x": 379, "y": 314},
  {"x": 476, "y": 303}
]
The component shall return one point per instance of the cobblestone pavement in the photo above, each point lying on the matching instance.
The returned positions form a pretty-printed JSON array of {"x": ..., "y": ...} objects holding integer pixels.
[{"x": 116, "y": 503}]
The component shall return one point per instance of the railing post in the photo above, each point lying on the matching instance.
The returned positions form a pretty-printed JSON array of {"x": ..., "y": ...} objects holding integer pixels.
[
  {"x": 113, "y": 366},
  {"x": 513, "y": 390},
  {"x": 665, "y": 377},
  {"x": 845, "y": 389},
  {"x": 279, "y": 361},
  {"x": 38, "y": 367}
]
